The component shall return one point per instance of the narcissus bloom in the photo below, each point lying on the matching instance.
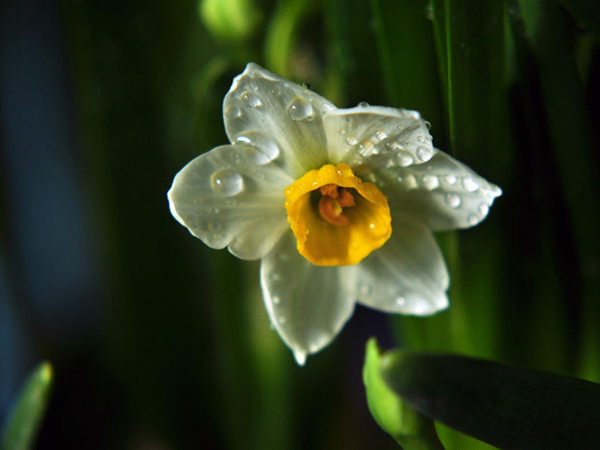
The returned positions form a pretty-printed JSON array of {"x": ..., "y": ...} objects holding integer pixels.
[{"x": 338, "y": 204}]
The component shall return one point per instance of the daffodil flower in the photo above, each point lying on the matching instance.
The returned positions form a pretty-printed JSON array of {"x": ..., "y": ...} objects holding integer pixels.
[{"x": 338, "y": 204}]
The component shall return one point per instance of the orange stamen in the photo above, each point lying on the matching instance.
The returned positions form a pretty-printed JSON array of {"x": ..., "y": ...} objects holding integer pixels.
[{"x": 332, "y": 203}]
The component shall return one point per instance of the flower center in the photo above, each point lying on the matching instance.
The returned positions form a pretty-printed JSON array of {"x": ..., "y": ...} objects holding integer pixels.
[{"x": 337, "y": 219}]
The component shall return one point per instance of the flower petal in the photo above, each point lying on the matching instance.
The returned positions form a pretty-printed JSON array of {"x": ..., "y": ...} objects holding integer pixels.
[
  {"x": 267, "y": 111},
  {"x": 407, "y": 275},
  {"x": 307, "y": 304},
  {"x": 377, "y": 135},
  {"x": 226, "y": 198},
  {"x": 442, "y": 193}
]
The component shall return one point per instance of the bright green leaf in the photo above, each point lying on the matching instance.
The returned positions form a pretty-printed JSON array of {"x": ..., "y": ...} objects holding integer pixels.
[
  {"x": 410, "y": 429},
  {"x": 27, "y": 414}
]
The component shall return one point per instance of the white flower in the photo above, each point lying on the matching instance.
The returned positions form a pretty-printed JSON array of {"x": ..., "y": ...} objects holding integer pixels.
[{"x": 339, "y": 205}]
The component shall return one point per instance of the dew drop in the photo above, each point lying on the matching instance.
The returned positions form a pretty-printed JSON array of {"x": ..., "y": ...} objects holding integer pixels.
[
  {"x": 484, "y": 209},
  {"x": 300, "y": 109},
  {"x": 452, "y": 200},
  {"x": 365, "y": 148},
  {"x": 363, "y": 105},
  {"x": 365, "y": 289},
  {"x": 233, "y": 112},
  {"x": 404, "y": 159},
  {"x": 342, "y": 131},
  {"x": 379, "y": 135},
  {"x": 214, "y": 210},
  {"x": 430, "y": 182},
  {"x": 401, "y": 300},
  {"x": 282, "y": 320},
  {"x": 251, "y": 99},
  {"x": 472, "y": 219},
  {"x": 262, "y": 149},
  {"x": 450, "y": 179},
  {"x": 351, "y": 139},
  {"x": 409, "y": 181},
  {"x": 276, "y": 300},
  {"x": 424, "y": 153},
  {"x": 227, "y": 182},
  {"x": 469, "y": 184},
  {"x": 421, "y": 139},
  {"x": 214, "y": 226},
  {"x": 371, "y": 226}
]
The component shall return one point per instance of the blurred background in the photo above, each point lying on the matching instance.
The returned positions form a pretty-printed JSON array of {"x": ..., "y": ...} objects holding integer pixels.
[{"x": 158, "y": 342}]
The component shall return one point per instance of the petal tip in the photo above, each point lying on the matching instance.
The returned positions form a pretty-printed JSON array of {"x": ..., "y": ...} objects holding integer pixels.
[{"x": 300, "y": 356}]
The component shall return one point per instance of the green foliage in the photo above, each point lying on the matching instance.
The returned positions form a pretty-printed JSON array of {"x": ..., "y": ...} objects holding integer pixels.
[
  {"x": 21, "y": 430},
  {"x": 508, "y": 407},
  {"x": 409, "y": 428}
]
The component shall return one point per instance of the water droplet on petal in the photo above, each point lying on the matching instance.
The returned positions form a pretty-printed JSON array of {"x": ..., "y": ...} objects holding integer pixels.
[
  {"x": 404, "y": 159},
  {"x": 233, "y": 112},
  {"x": 282, "y": 320},
  {"x": 472, "y": 219},
  {"x": 430, "y": 182},
  {"x": 263, "y": 149},
  {"x": 484, "y": 209},
  {"x": 424, "y": 153},
  {"x": 409, "y": 181},
  {"x": 365, "y": 148},
  {"x": 300, "y": 109},
  {"x": 363, "y": 105},
  {"x": 379, "y": 135},
  {"x": 421, "y": 139},
  {"x": 365, "y": 289},
  {"x": 351, "y": 139},
  {"x": 276, "y": 300},
  {"x": 469, "y": 184},
  {"x": 450, "y": 179},
  {"x": 251, "y": 99},
  {"x": 342, "y": 130},
  {"x": 371, "y": 226},
  {"x": 452, "y": 200},
  {"x": 227, "y": 182},
  {"x": 214, "y": 226},
  {"x": 401, "y": 300}
]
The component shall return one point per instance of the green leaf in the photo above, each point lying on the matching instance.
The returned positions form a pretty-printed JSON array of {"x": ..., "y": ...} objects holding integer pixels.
[
  {"x": 508, "y": 407},
  {"x": 27, "y": 414},
  {"x": 410, "y": 429},
  {"x": 573, "y": 147},
  {"x": 586, "y": 12}
]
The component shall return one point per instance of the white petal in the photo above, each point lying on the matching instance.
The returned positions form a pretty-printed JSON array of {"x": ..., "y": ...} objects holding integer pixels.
[
  {"x": 377, "y": 135},
  {"x": 442, "y": 193},
  {"x": 307, "y": 304},
  {"x": 226, "y": 199},
  {"x": 407, "y": 275},
  {"x": 264, "y": 109}
]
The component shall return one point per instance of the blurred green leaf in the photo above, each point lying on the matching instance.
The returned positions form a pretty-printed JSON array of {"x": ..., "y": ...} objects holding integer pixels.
[
  {"x": 407, "y": 56},
  {"x": 508, "y": 407},
  {"x": 573, "y": 149},
  {"x": 410, "y": 429},
  {"x": 231, "y": 20},
  {"x": 586, "y": 12},
  {"x": 27, "y": 413}
]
